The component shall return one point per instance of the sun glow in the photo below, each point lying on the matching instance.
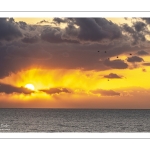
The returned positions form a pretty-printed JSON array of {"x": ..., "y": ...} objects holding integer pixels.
[{"x": 30, "y": 86}]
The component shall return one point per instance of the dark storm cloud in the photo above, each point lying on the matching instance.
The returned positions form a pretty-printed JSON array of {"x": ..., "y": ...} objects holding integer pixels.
[
  {"x": 116, "y": 64},
  {"x": 127, "y": 28},
  {"x": 52, "y": 35},
  {"x": 136, "y": 32},
  {"x": 112, "y": 76},
  {"x": 135, "y": 59},
  {"x": 142, "y": 52},
  {"x": 22, "y": 24},
  {"x": 56, "y": 90},
  {"x": 97, "y": 29},
  {"x": 43, "y": 21},
  {"x": 18, "y": 55},
  {"x": 90, "y": 29},
  {"x": 9, "y": 89},
  {"x": 138, "y": 37},
  {"x": 146, "y": 64},
  {"x": 71, "y": 32},
  {"x": 139, "y": 26},
  {"x": 59, "y": 20},
  {"x": 9, "y": 29},
  {"x": 79, "y": 45},
  {"x": 79, "y": 30},
  {"x": 30, "y": 40},
  {"x": 147, "y": 20},
  {"x": 106, "y": 92},
  {"x": 12, "y": 65},
  {"x": 15, "y": 57},
  {"x": 55, "y": 35}
]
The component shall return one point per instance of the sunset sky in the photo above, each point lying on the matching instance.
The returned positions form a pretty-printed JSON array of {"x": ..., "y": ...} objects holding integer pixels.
[{"x": 75, "y": 63}]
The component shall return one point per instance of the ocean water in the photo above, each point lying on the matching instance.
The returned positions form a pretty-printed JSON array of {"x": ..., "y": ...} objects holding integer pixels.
[{"x": 74, "y": 120}]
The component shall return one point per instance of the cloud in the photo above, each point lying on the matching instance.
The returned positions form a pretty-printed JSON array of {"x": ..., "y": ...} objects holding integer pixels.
[
  {"x": 89, "y": 29},
  {"x": 55, "y": 35},
  {"x": 80, "y": 44},
  {"x": 112, "y": 76},
  {"x": 116, "y": 64},
  {"x": 22, "y": 25},
  {"x": 135, "y": 59},
  {"x": 142, "y": 52},
  {"x": 43, "y": 21},
  {"x": 11, "y": 64},
  {"x": 128, "y": 29},
  {"x": 105, "y": 92},
  {"x": 9, "y": 89},
  {"x": 136, "y": 32},
  {"x": 55, "y": 90},
  {"x": 139, "y": 26},
  {"x": 26, "y": 27},
  {"x": 97, "y": 29},
  {"x": 147, "y": 20},
  {"x": 146, "y": 64},
  {"x": 18, "y": 56},
  {"x": 138, "y": 37},
  {"x": 9, "y": 29},
  {"x": 52, "y": 35},
  {"x": 30, "y": 40},
  {"x": 58, "y": 20}
]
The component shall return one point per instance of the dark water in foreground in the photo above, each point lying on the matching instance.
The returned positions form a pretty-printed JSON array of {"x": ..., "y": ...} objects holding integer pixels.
[{"x": 74, "y": 120}]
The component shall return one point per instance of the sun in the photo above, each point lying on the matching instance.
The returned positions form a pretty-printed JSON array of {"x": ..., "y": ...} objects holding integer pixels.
[{"x": 30, "y": 86}]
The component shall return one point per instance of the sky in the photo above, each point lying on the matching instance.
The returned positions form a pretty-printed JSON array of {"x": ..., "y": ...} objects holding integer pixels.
[{"x": 75, "y": 63}]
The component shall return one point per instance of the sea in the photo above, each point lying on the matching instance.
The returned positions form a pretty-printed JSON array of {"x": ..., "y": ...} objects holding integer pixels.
[{"x": 74, "y": 120}]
